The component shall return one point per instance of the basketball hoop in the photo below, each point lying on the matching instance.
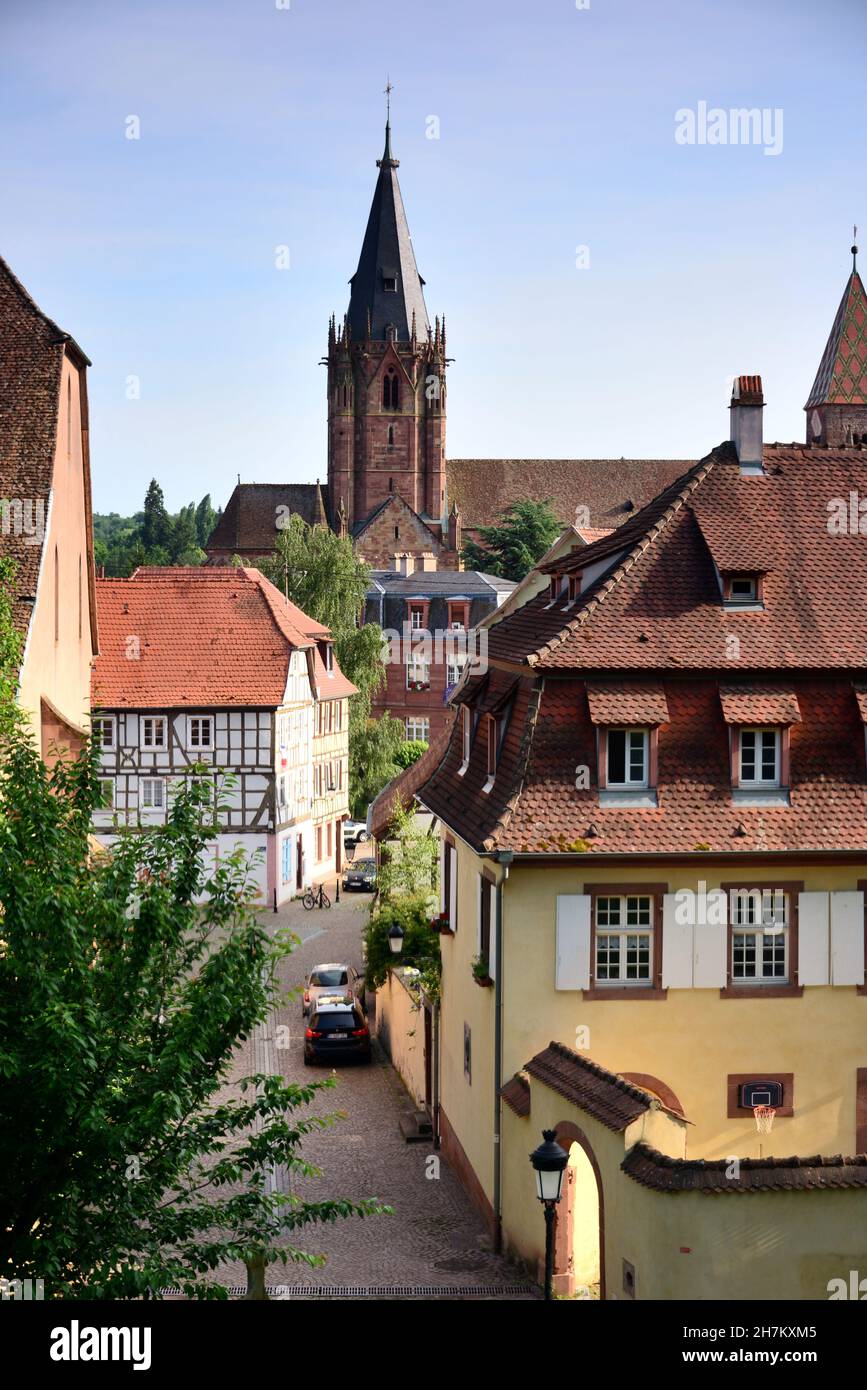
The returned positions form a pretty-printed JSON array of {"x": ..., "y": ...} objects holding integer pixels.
[{"x": 764, "y": 1115}]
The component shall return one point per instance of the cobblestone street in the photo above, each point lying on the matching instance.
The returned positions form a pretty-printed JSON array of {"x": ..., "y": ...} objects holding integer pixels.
[{"x": 435, "y": 1244}]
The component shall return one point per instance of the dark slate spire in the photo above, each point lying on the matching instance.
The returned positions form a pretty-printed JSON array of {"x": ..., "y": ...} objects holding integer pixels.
[{"x": 387, "y": 260}]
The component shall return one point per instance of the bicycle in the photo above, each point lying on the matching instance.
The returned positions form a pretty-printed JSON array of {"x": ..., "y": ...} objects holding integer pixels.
[{"x": 316, "y": 898}]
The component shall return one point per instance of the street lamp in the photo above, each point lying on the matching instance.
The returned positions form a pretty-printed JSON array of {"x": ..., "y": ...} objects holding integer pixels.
[
  {"x": 395, "y": 940},
  {"x": 549, "y": 1162}
]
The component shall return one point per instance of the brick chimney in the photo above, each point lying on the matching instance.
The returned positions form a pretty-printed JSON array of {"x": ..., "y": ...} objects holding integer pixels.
[
  {"x": 745, "y": 413},
  {"x": 428, "y": 561},
  {"x": 404, "y": 563}
]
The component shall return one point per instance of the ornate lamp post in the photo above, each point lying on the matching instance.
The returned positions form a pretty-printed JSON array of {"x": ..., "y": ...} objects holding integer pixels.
[{"x": 549, "y": 1162}]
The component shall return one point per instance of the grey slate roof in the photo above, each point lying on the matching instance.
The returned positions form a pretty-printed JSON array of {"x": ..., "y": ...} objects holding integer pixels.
[
  {"x": 441, "y": 583},
  {"x": 387, "y": 250}
]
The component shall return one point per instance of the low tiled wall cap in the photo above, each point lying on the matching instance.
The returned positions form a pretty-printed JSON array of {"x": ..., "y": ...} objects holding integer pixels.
[
  {"x": 711, "y": 1176},
  {"x": 516, "y": 1093},
  {"x": 600, "y": 1093}
]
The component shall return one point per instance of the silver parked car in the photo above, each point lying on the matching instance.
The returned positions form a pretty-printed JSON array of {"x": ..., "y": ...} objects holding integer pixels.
[{"x": 335, "y": 980}]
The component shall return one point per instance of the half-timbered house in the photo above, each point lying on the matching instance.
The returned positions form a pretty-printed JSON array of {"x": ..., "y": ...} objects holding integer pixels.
[{"x": 215, "y": 667}]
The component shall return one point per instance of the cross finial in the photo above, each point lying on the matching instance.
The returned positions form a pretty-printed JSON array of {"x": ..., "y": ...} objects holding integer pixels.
[
  {"x": 854, "y": 250},
  {"x": 388, "y": 89}
]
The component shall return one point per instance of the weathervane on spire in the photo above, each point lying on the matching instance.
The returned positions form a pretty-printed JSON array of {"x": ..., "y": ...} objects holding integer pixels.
[{"x": 854, "y": 250}]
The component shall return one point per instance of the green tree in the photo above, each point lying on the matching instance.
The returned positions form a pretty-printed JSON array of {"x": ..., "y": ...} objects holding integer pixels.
[
  {"x": 511, "y": 547},
  {"x": 321, "y": 573},
  {"x": 408, "y": 859},
  {"x": 206, "y": 520},
  {"x": 156, "y": 526},
  {"x": 421, "y": 945},
  {"x": 410, "y": 752},
  {"x": 122, "y": 1003}
]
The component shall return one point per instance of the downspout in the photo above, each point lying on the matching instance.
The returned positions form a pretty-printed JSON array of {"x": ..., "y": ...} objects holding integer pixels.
[{"x": 504, "y": 857}]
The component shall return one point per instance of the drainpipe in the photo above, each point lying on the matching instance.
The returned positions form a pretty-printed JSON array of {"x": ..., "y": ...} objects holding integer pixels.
[{"x": 504, "y": 858}]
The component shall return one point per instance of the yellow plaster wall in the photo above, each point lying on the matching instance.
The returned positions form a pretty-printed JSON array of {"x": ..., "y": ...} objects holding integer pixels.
[
  {"x": 763, "y": 1246},
  {"x": 60, "y": 670},
  {"x": 691, "y": 1041},
  {"x": 400, "y": 1027}
]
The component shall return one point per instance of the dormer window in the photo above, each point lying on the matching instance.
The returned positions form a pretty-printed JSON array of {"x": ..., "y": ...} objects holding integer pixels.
[
  {"x": 760, "y": 761},
  {"x": 389, "y": 282},
  {"x": 628, "y": 759},
  {"x": 466, "y": 738},
  {"x": 492, "y": 740},
  {"x": 742, "y": 590},
  {"x": 326, "y": 652}
]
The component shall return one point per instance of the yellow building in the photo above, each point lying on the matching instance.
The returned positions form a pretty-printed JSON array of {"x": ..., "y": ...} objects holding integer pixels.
[
  {"x": 45, "y": 515},
  {"x": 654, "y": 861},
  {"x": 330, "y": 762}
]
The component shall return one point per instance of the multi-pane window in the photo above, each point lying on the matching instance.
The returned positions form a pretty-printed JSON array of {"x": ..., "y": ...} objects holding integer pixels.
[
  {"x": 454, "y": 667},
  {"x": 760, "y": 935},
  {"x": 106, "y": 794},
  {"x": 760, "y": 757},
  {"x": 418, "y": 729},
  {"x": 153, "y": 731},
  {"x": 627, "y": 758},
  {"x": 201, "y": 731},
  {"x": 153, "y": 793},
  {"x": 624, "y": 940},
  {"x": 103, "y": 730},
  {"x": 417, "y": 674},
  {"x": 416, "y": 617}
]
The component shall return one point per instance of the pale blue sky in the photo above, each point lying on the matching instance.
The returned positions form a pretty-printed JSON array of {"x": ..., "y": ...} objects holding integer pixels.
[{"x": 260, "y": 127}]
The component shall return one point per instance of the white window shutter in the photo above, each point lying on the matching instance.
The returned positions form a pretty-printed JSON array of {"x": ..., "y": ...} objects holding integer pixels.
[
  {"x": 676, "y": 945},
  {"x": 573, "y": 941},
  {"x": 813, "y": 944},
  {"x": 847, "y": 938},
  {"x": 492, "y": 954},
  {"x": 453, "y": 885},
  {"x": 479, "y": 915},
  {"x": 710, "y": 942}
]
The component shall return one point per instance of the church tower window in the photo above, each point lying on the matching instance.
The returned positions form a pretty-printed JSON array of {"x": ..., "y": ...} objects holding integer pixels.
[{"x": 390, "y": 391}]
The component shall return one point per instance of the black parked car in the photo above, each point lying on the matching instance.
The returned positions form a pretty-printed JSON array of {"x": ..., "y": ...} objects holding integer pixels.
[
  {"x": 360, "y": 874},
  {"x": 337, "y": 1031}
]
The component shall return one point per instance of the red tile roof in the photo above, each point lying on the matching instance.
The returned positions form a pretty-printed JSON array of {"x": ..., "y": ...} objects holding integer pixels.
[
  {"x": 759, "y": 704},
  {"x": 630, "y": 702},
  {"x": 404, "y": 787},
  {"x": 711, "y": 1177},
  {"x": 602, "y": 1094},
  {"x": 516, "y": 1093},
  {"x": 611, "y": 490},
  {"x": 196, "y": 636},
  {"x": 659, "y": 606}
]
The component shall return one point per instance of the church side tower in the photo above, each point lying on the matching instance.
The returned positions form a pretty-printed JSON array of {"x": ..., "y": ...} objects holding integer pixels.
[
  {"x": 837, "y": 405},
  {"x": 386, "y": 376}
]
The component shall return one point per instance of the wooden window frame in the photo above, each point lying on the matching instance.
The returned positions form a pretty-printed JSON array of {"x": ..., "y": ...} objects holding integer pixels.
[
  {"x": 653, "y": 990},
  {"x": 141, "y": 801},
  {"x": 782, "y": 758},
  {"x": 111, "y": 720},
  {"x": 461, "y": 609},
  {"x": 200, "y": 719},
  {"x": 792, "y": 990},
  {"x": 154, "y": 719},
  {"x": 486, "y": 892},
  {"x": 652, "y": 782}
]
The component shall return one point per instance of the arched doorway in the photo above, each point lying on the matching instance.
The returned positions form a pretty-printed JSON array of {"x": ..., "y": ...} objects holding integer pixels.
[{"x": 579, "y": 1234}]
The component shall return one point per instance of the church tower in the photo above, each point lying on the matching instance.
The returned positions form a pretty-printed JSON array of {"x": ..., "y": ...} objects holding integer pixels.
[
  {"x": 837, "y": 405},
  {"x": 386, "y": 377}
]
